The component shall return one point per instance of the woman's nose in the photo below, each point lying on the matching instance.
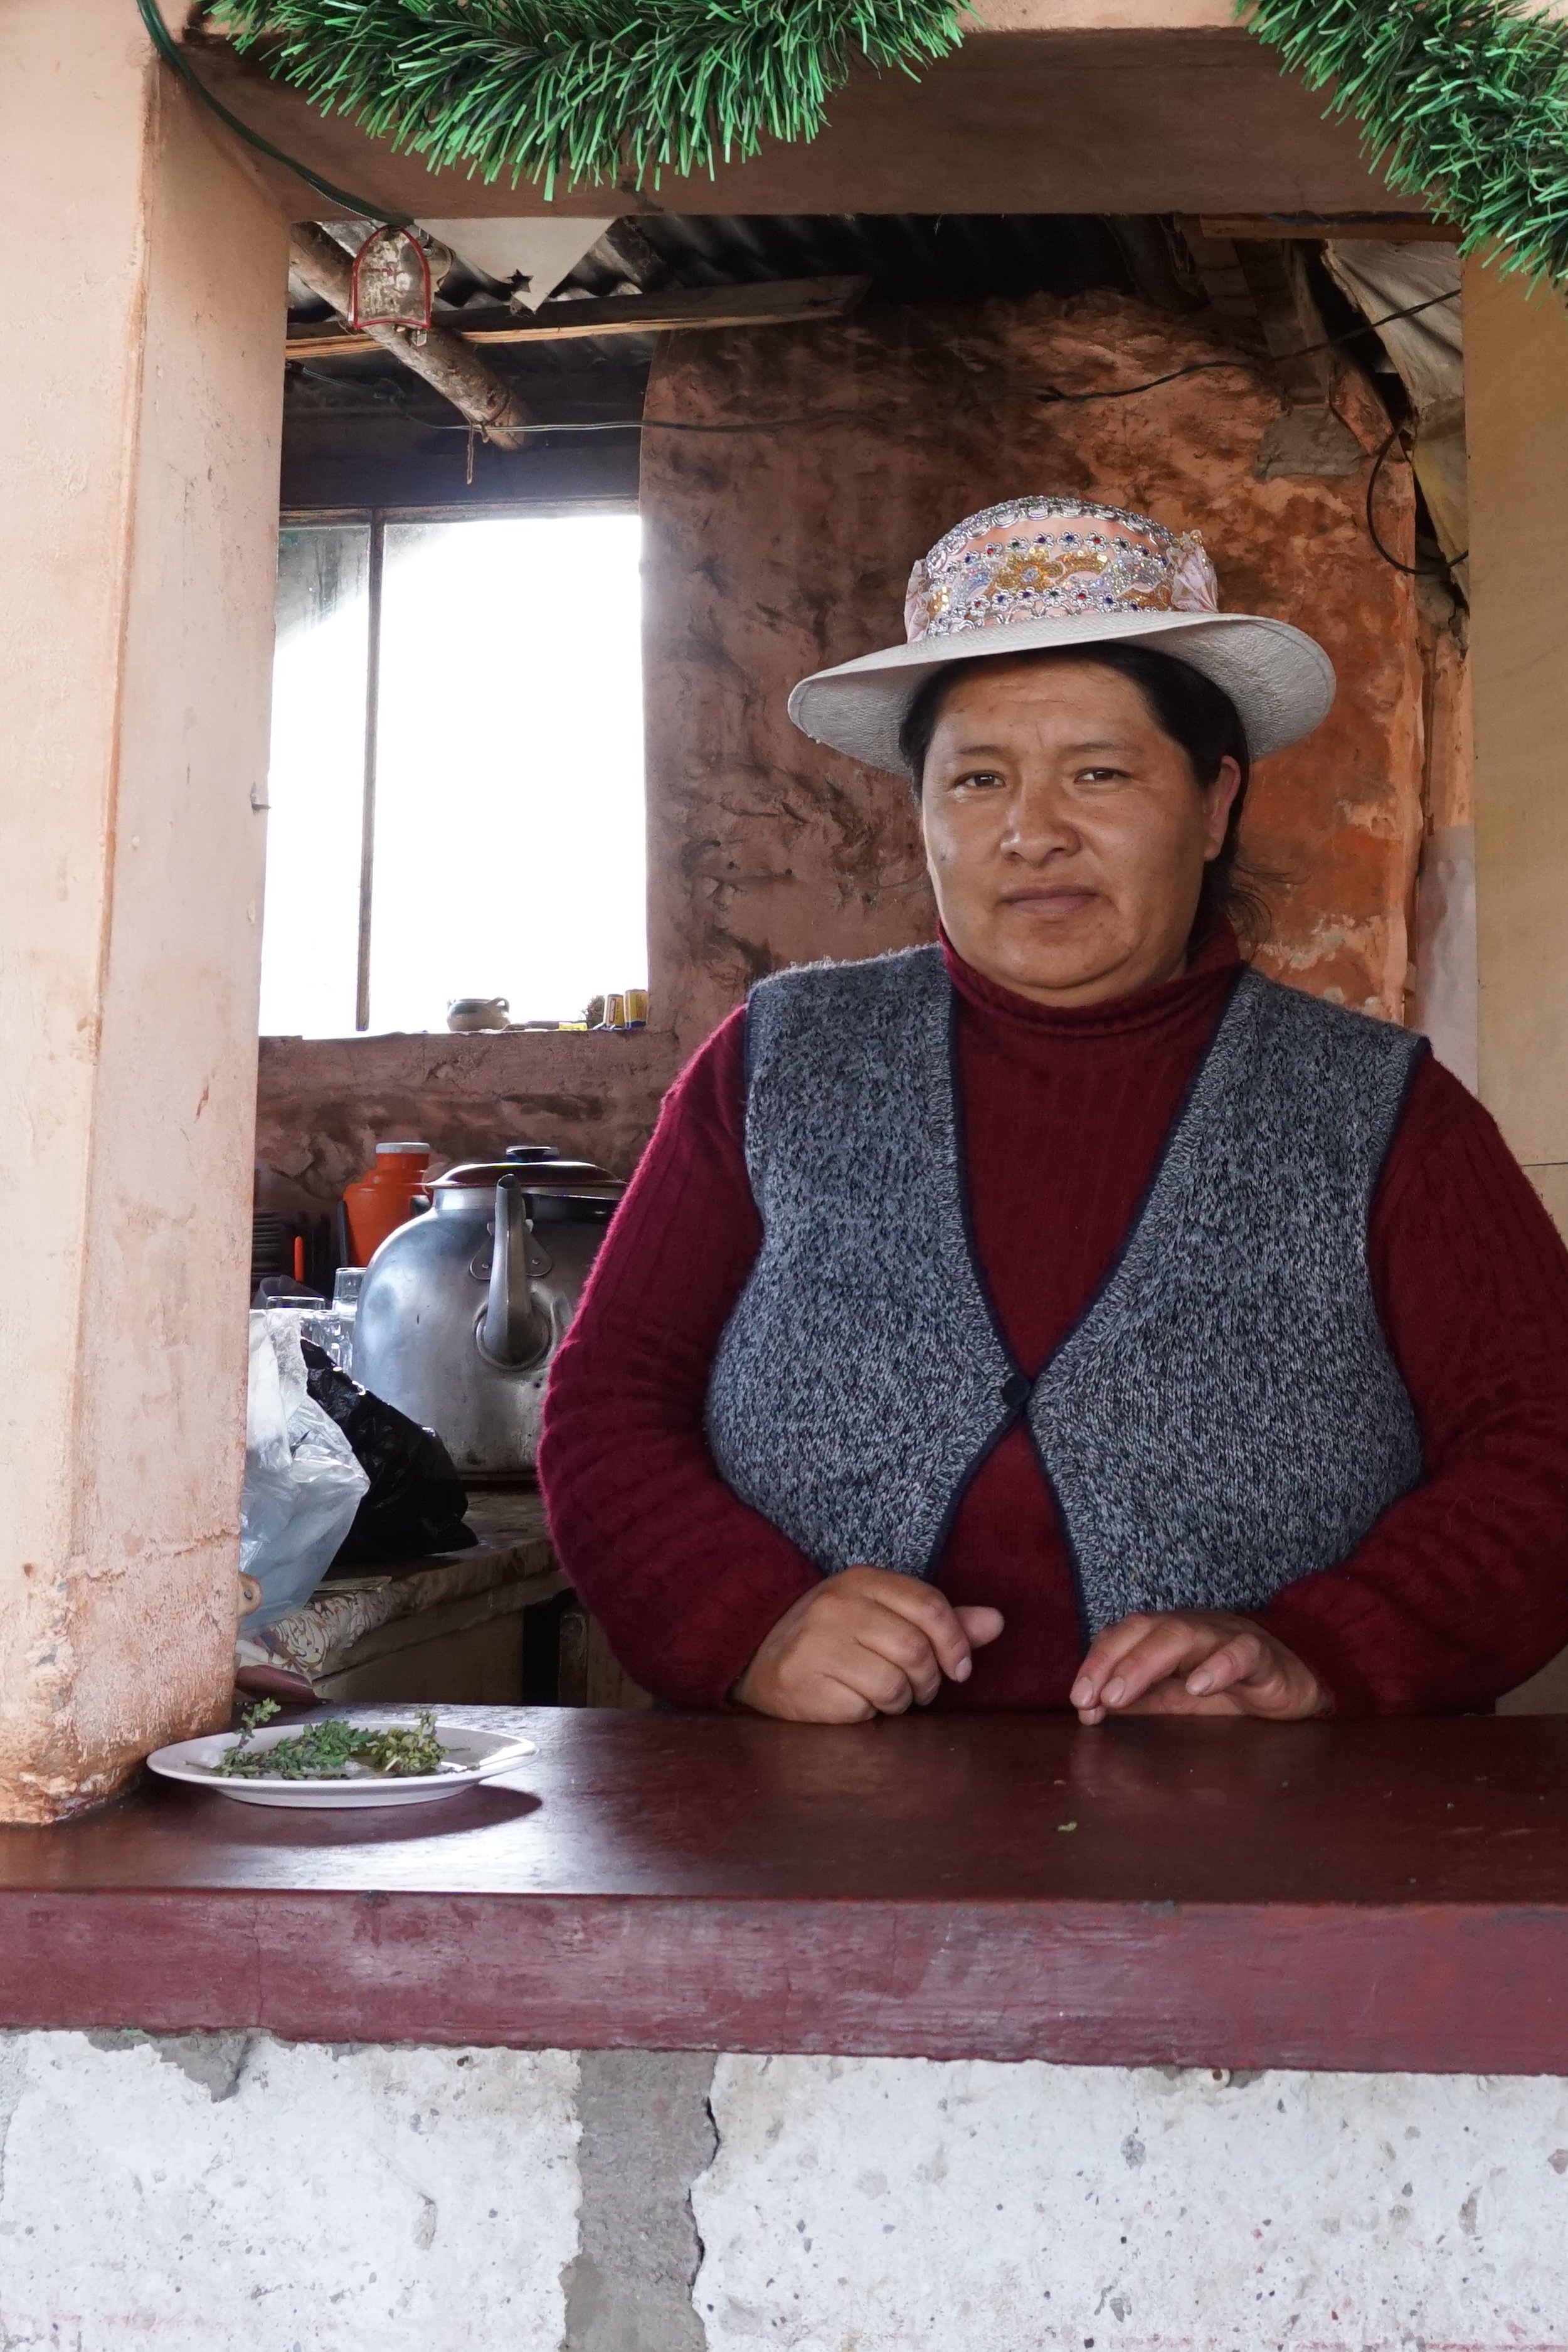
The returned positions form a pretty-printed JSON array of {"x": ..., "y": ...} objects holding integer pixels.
[{"x": 1038, "y": 823}]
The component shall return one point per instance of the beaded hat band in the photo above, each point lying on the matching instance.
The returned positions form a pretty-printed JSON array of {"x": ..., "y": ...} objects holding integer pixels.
[
  {"x": 1034, "y": 559},
  {"x": 1050, "y": 573}
]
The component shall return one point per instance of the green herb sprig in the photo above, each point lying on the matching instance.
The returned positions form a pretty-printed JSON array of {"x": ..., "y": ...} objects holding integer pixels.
[{"x": 323, "y": 1751}]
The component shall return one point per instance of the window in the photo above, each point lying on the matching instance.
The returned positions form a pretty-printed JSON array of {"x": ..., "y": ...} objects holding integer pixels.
[{"x": 456, "y": 788}]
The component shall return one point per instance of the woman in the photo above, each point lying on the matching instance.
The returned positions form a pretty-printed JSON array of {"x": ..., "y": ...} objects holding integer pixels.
[{"x": 1065, "y": 1315}]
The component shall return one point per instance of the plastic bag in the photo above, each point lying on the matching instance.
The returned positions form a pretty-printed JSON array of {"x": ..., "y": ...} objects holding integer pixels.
[
  {"x": 302, "y": 1484},
  {"x": 416, "y": 1501}
]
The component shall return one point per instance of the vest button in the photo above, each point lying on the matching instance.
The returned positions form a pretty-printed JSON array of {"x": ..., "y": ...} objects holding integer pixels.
[{"x": 1014, "y": 1391}]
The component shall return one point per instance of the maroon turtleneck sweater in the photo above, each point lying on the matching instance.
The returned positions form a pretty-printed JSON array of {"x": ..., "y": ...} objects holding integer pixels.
[{"x": 1459, "y": 1592}]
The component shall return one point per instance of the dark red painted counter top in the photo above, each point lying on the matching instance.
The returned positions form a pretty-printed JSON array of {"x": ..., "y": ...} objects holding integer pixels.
[{"x": 1359, "y": 1895}]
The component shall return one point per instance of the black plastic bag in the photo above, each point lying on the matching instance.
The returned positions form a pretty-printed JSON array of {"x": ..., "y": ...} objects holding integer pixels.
[{"x": 416, "y": 1502}]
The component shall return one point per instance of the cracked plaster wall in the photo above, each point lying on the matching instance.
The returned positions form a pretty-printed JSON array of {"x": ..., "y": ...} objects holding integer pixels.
[
  {"x": 769, "y": 555},
  {"x": 200, "y": 2191}
]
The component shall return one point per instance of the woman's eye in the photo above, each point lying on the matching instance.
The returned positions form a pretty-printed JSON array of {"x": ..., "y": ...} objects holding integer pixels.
[
  {"x": 977, "y": 776},
  {"x": 1103, "y": 775}
]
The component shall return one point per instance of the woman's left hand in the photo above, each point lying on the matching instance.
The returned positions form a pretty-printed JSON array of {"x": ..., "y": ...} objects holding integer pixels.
[{"x": 1194, "y": 1662}]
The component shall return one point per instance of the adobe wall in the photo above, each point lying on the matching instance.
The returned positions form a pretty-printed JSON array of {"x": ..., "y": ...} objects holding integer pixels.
[
  {"x": 323, "y": 1103},
  {"x": 771, "y": 554},
  {"x": 768, "y": 554}
]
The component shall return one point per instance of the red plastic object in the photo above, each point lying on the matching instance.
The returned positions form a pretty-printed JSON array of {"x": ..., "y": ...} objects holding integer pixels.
[{"x": 379, "y": 1202}]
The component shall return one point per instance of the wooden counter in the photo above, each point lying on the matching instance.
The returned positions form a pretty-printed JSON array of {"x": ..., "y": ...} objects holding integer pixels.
[{"x": 1360, "y": 1896}]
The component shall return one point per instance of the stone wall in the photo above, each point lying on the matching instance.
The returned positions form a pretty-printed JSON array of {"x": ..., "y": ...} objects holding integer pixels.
[
  {"x": 230, "y": 2189},
  {"x": 772, "y": 554}
]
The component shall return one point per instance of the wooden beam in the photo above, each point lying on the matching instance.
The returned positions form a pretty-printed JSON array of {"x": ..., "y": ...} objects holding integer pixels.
[
  {"x": 1147, "y": 115},
  {"x": 1516, "y": 381},
  {"x": 785, "y": 302},
  {"x": 1394, "y": 228}
]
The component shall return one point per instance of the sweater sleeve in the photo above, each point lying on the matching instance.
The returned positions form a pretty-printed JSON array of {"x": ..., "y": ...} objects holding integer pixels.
[
  {"x": 1460, "y": 1590},
  {"x": 684, "y": 1577}
]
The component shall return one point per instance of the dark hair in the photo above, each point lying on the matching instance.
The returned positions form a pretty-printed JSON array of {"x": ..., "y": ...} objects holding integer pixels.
[{"x": 1185, "y": 705}]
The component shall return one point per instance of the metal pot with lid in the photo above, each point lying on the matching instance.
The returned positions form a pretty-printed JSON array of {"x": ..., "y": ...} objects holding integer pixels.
[{"x": 462, "y": 1309}]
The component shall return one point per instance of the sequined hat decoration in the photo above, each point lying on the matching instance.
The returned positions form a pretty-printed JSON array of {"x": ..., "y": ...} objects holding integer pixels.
[
  {"x": 1059, "y": 574},
  {"x": 1037, "y": 559}
]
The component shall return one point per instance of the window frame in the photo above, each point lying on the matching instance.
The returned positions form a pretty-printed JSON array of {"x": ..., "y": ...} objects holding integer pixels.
[{"x": 377, "y": 519}]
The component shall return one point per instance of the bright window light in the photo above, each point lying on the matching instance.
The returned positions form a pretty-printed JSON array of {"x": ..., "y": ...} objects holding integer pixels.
[
  {"x": 506, "y": 836},
  {"x": 310, "y": 940}
]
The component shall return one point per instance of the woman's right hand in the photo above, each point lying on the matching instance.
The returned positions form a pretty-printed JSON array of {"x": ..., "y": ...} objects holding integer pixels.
[{"x": 866, "y": 1643}]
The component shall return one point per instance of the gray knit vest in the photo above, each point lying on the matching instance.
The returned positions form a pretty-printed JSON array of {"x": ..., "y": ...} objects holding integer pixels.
[{"x": 1224, "y": 1417}]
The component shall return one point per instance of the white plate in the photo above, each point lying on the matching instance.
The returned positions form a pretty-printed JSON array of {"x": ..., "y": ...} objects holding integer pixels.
[{"x": 475, "y": 1757}]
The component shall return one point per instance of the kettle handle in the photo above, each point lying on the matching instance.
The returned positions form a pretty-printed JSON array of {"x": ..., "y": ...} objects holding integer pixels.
[{"x": 512, "y": 1332}]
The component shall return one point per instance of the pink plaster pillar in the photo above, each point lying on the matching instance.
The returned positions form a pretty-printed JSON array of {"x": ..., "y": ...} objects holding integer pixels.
[{"x": 140, "y": 405}]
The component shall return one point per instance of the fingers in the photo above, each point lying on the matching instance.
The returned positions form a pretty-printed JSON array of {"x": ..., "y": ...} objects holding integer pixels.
[
  {"x": 1173, "y": 1698},
  {"x": 891, "y": 1661},
  {"x": 840, "y": 1703},
  {"x": 1243, "y": 1659},
  {"x": 1128, "y": 1658},
  {"x": 865, "y": 1642},
  {"x": 1194, "y": 1662},
  {"x": 921, "y": 1606},
  {"x": 1258, "y": 1675},
  {"x": 1105, "y": 1653},
  {"x": 980, "y": 1626}
]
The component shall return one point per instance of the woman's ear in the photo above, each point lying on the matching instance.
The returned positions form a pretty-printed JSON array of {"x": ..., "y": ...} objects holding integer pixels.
[{"x": 1219, "y": 799}]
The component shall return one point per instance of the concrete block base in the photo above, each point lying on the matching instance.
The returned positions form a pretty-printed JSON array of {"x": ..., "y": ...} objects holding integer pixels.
[{"x": 205, "y": 2190}]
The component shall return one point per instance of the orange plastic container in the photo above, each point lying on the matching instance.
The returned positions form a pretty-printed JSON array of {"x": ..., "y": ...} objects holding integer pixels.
[{"x": 377, "y": 1203}]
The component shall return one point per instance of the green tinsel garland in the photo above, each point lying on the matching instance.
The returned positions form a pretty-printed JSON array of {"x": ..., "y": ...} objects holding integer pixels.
[
  {"x": 587, "y": 90},
  {"x": 1462, "y": 101}
]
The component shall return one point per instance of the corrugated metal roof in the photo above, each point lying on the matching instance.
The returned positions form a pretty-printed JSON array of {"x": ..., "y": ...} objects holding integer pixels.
[
  {"x": 360, "y": 430},
  {"x": 909, "y": 258}
]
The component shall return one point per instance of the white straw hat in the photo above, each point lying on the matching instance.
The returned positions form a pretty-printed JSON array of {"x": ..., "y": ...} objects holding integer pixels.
[{"x": 1060, "y": 573}]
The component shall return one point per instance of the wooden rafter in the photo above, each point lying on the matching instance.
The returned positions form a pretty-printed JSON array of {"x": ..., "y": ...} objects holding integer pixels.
[{"x": 788, "y": 301}]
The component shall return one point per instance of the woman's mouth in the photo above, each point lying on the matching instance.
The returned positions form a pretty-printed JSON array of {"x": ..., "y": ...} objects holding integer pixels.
[{"x": 1057, "y": 906}]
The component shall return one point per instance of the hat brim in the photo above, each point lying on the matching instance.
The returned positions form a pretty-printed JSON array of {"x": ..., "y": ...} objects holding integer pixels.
[{"x": 1280, "y": 680}]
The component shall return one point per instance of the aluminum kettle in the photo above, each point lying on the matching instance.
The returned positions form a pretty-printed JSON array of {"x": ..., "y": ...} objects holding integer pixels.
[{"x": 462, "y": 1309}]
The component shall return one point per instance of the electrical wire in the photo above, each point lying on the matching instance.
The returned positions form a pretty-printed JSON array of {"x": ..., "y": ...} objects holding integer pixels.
[
  {"x": 663, "y": 424},
  {"x": 1411, "y": 571},
  {"x": 1053, "y": 392},
  {"x": 169, "y": 50}
]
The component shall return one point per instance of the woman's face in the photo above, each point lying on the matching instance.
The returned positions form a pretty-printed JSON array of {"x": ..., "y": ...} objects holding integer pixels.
[{"x": 1065, "y": 834}]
